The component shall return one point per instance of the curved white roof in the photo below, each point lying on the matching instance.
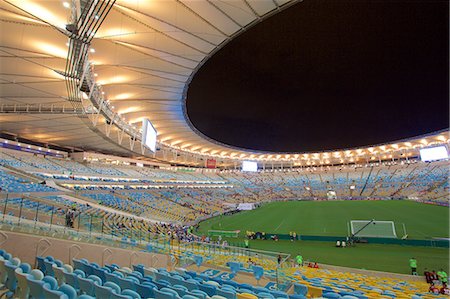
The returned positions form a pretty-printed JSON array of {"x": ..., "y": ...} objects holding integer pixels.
[{"x": 144, "y": 54}]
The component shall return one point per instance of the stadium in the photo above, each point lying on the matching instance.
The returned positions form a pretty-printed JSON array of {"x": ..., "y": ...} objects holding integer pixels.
[{"x": 115, "y": 181}]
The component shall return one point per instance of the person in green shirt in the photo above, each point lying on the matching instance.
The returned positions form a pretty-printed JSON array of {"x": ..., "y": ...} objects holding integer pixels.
[
  {"x": 442, "y": 275},
  {"x": 246, "y": 243},
  {"x": 413, "y": 265},
  {"x": 299, "y": 259}
]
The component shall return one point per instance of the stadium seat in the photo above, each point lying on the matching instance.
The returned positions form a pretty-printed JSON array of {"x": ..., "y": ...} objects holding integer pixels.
[
  {"x": 258, "y": 272},
  {"x": 246, "y": 296}
]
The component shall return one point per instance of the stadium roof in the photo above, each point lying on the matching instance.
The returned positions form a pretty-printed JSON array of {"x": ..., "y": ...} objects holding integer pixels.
[{"x": 141, "y": 56}]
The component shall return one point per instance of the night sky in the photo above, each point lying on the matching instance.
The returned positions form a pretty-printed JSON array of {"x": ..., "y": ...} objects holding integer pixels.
[{"x": 327, "y": 75}]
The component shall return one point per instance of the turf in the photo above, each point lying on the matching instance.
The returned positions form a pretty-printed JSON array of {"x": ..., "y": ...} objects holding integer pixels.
[
  {"x": 330, "y": 218},
  {"x": 388, "y": 258}
]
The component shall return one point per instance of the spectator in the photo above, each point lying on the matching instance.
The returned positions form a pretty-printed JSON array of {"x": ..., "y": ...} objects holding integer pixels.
[
  {"x": 250, "y": 262},
  {"x": 428, "y": 276},
  {"x": 445, "y": 290},
  {"x": 316, "y": 266},
  {"x": 434, "y": 289},
  {"x": 434, "y": 277},
  {"x": 279, "y": 259}
]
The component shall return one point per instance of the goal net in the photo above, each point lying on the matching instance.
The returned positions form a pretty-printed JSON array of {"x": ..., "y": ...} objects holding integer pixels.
[{"x": 373, "y": 228}]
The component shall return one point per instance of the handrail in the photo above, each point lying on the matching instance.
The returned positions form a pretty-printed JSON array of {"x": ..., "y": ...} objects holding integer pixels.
[
  {"x": 41, "y": 241},
  {"x": 133, "y": 254},
  {"x": 71, "y": 257},
  {"x": 5, "y": 238},
  {"x": 106, "y": 250},
  {"x": 153, "y": 260}
]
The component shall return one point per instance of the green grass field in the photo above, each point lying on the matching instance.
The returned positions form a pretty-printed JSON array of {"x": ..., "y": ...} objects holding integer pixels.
[{"x": 330, "y": 218}]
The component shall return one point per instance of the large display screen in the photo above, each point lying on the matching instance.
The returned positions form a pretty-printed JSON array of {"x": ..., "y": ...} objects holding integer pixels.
[
  {"x": 433, "y": 153},
  {"x": 249, "y": 166},
  {"x": 149, "y": 135}
]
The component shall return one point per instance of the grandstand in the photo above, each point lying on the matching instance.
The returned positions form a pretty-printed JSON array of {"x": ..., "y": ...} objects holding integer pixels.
[{"x": 108, "y": 191}]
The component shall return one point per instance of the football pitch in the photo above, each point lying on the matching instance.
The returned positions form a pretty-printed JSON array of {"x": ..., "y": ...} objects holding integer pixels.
[{"x": 330, "y": 218}]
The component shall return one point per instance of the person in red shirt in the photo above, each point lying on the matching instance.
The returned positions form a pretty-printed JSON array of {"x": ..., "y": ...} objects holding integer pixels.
[
  {"x": 427, "y": 275},
  {"x": 445, "y": 290},
  {"x": 316, "y": 266},
  {"x": 434, "y": 277},
  {"x": 434, "y": 289}
]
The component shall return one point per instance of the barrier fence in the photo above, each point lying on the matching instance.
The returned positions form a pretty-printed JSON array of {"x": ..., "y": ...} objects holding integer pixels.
[{"x": 40, "y": 217}]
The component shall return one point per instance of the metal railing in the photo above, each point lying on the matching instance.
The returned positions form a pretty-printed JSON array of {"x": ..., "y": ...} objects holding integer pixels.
[{"x": 38, "y": 216}]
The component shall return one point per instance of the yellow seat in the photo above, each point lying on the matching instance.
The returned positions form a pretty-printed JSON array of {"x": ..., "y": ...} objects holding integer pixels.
[
  {"x": 246, "y": 296},
  {"x": 314, "y": 292}
]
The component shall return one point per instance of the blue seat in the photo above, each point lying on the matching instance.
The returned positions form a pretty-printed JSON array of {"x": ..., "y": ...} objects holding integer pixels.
[
  {"x": 190, "y": 284},
  {"x": 64, "y": 292},
  {"x": 79, "y": 264},
  {"x": 53, "y": 294},
  {"x": 234, "y": 267},
  {"x": 264, "y": 295},
  {"x": 198, "y": 259},
  {"x": 23, "y": 290},
  {"x": 36, "y": 288},
  {"x": 127, "y": 283},
  {"x": 112, "y": 277},
  {"x": 102, "y": 291},
  {"x": 279, "y": 294},
  {"x": 100, "y": 273},
  {"x": 139, "y": 268},
  {"x": 131, "y": 294},
  {"x": 48, "y": 267},
  {"x": 11, "y": 279},
  {"x": 258, "y": 272},
  {"x": 227, "y": 293},
  {"x": 200, "y": 294},
  {"x": 119, "y": 296},
  {"x": 86, "y": 286},
  {"x": 300, "y": 289},
  {"x": 145, "y": 289},
  {"x": 180, "y": 289},
  {"x": 161, "y": 284},
  {"x": 163, "y": 294},
  {"x": 72, "y": 279},
  {"x": 114, "y": 287},
  {"x": 161, "y": 276},
  {"x": 331, "y": 295},
  {"x": 208, "y": 289},
  {"x": 40, "y": 263}
]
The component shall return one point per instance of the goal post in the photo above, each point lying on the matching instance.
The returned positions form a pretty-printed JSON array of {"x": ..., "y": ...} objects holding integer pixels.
[{"x": 373, "y": 229}]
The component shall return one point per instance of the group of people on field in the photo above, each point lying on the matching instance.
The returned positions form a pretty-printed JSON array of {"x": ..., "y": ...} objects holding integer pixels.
[{"x": 438, "y": 280}]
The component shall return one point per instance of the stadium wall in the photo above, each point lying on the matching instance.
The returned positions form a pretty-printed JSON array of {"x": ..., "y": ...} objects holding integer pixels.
[{"x": 27, "y": 247}]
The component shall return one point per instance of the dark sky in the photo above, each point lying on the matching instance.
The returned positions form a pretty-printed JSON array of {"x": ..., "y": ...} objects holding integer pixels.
[{"x": 328, "y": 75}]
